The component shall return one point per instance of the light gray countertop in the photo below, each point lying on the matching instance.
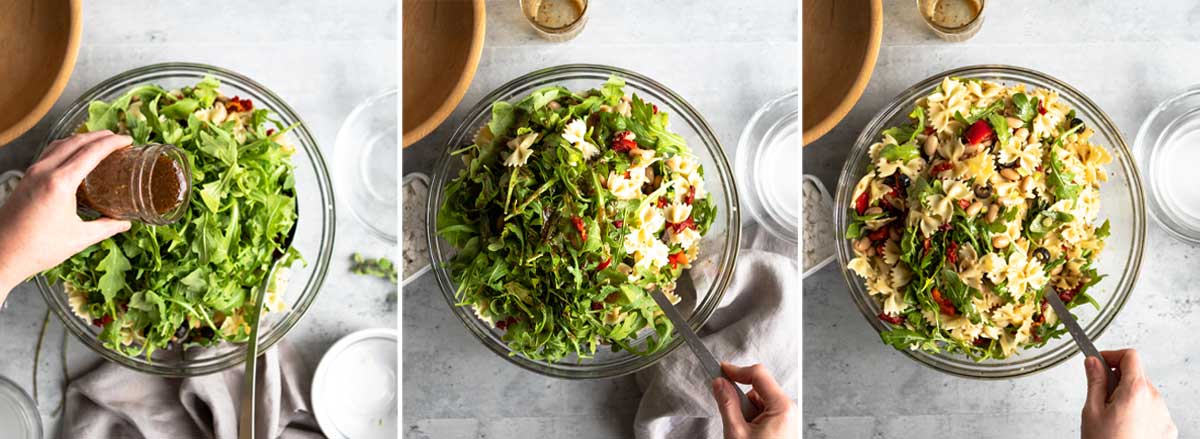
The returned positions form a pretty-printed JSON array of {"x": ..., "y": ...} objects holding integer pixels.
[
  {"x": 1126, "y": 56},
  {"x": 321, "y": 57},
  {"x": 725, "y": 58}
]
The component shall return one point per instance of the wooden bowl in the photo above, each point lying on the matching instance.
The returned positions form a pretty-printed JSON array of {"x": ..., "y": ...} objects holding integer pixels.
[
  {"x": 841, "y": 43},
  {"x": 39, "y": 40},
  {"x": 442, "y": 43}
]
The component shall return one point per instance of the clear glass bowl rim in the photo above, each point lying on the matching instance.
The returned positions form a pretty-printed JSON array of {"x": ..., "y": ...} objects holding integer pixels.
[
  {"x": 465, "y": 130},
  {"x": 1043, "y": 360},
  {"x": 1147, "y": 143},
  {"x": 305, "y": 140},
  {"x": 343, "y": 180},
  {"x": 767, "y": 120}
]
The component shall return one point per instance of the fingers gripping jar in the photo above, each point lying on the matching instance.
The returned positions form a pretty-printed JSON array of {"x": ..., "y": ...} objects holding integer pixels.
[{"x": 150, "y": 183}]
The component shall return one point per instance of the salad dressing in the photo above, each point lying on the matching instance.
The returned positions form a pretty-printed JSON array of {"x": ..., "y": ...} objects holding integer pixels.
[
  {"x": 953, "y": 14},
  {"x": 557, "y": 13},
  {"x": 136, "y": 183}
]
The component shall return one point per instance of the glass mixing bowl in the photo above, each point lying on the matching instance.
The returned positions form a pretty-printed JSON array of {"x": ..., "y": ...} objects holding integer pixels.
[
  {"x": 1121, "y": 201},
  {"x": 710, "y": 274},
  {"x": 314, "y": 227}
]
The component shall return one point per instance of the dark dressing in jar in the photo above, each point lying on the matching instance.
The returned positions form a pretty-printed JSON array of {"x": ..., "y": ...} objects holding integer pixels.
[{"x": 150, "y": 184}]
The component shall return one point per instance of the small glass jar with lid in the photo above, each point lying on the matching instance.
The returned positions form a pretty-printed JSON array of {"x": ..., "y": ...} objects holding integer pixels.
[{"x": 151, "y": 184}]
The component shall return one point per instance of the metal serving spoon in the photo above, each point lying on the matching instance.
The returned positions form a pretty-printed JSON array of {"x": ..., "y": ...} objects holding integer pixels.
[
  {"x": 707, "y": 361},
  {"x": 1081, "y": 338},
  {"x": 247, "y": 422}
]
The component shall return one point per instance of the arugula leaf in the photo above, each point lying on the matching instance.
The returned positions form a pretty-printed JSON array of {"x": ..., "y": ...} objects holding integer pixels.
[
  {"x": 114, "y": 265},
  {"x": 1103, "y": 231},
  {"x": 1000, "y": 126},
  {"x": 979, "y": 113},
  {"x": 1060, "y": 181},
  {"x": 905, "y": 339},
  {"x": 1026, "y": 107},
  {"x": 382, "y": 268},
  {"x": 503, "y": 116},
  {"x": 903, "y": 153}
]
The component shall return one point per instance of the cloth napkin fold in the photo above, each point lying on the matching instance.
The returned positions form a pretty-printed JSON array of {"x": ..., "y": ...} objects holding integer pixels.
[
  {"x": 114, "y": 402},
  {"x": 755, "y": 323}
]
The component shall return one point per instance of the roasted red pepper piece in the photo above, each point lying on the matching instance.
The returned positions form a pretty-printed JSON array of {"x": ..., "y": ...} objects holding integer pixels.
[
  {"x": 895, "y": 320},
  {"x": 964, "y": 204},
  {"x": 578, "y": 222},
  {"x": 623, "y": 141},
  {"x": 102, "y": 321},
  {"x": 978, "y": 132},
  {"x": 604, "y": 264},
  {"x": 676, "y": 259},
  {"x": 879, "y": 234},
  {"x": 943, "y": 303},
  {"x": 662, "y": 202},
  {"x": 952, "y": 253},
  {"x": 691, "y": 195},
  {"x": 940, "y": 167},
  {"x": 686, "y": 224},
  {"x": 860, "y": 204},
  {"x": 238, "y": 105}
]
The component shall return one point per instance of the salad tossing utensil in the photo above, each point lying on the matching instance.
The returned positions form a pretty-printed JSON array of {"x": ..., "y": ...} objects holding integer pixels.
[
  {"x": 247, "y": 422},
  {"x": 1081, "y": 338},
  {"x": 707, "y": 361}
]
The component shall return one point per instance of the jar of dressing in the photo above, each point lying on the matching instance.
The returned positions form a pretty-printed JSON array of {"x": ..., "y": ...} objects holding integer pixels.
[
  {"x": 556, "y": 20},
  {"x": 150, "y": 184},
  {"x": 953, "y": 20}
]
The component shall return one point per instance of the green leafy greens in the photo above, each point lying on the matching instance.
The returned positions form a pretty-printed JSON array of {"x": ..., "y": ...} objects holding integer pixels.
[
  {"x": 189, "y": 283},
  {"x": 542, "y": 244}
]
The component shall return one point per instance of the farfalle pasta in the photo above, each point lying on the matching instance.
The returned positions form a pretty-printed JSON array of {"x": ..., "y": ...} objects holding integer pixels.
[{"x": 968, "y": 216}]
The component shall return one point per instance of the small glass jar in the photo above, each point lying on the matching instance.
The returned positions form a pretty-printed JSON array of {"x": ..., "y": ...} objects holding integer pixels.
[
  {"x": 556, "y": 20},
  {"x": 151, "y": 184},
  {"x": 953, "y": 20}
]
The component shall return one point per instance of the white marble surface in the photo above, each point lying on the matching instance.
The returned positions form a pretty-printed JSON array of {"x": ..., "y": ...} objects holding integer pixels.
[
  {"x": 322, "y": 57},
  {"x": 726, "y": 58},
  {"x": 1127, "y": 56}
]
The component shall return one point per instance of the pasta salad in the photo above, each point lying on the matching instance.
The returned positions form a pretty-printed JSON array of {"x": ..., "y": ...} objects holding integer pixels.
[
  {"x": 967, "y": 215},
  {"x": 571, "y": 208}
]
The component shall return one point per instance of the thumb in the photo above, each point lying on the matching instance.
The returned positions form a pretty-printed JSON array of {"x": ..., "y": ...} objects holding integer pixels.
[
  {"x": 1097, "y": 390},
  {"x": 103, "y": 228},
  {"x": 729, "y": 405}
]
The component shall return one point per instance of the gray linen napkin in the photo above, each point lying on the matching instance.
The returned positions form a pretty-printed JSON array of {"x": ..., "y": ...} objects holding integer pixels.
[
  {"x": 755, "y": 323},
  {"x": 114, "y": 402}
]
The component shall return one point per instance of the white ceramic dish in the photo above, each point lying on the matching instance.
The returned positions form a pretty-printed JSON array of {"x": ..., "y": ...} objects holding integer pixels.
[
  {"x": 828, "y": 200},
  {"x": 354, "y": 388}
]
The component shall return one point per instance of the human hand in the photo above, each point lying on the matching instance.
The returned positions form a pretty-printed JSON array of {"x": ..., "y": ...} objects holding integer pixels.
[
  {"x": 1135, "y": 411},
  {"x": 39, "y": 222},
  {"x": 775, "y": 420}
]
